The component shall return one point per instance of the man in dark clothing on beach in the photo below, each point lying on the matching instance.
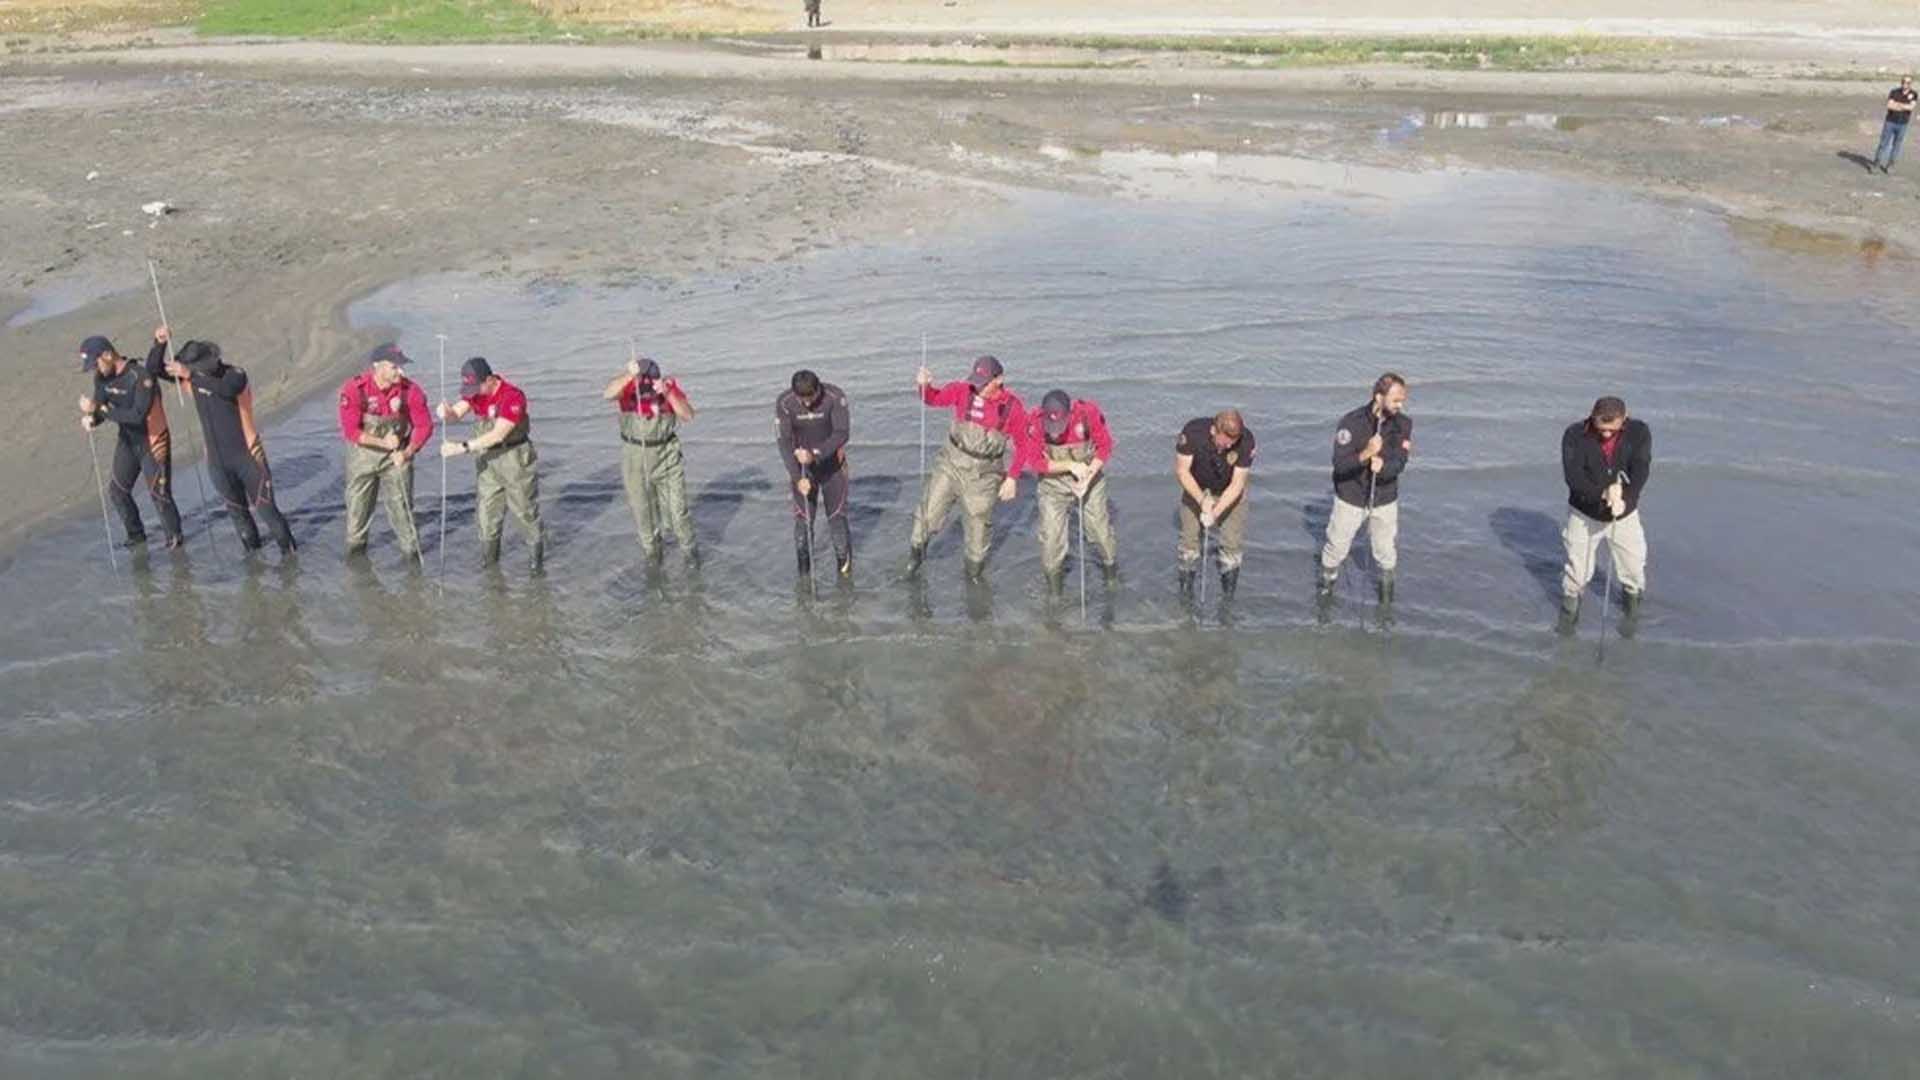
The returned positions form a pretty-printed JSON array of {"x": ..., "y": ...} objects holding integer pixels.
[
  {"x": 236, "y": 458},
  {"x": 1371, "y": 446},
  {"x": 129, "y": 395},
  {"x": 1893, "y": 131}
]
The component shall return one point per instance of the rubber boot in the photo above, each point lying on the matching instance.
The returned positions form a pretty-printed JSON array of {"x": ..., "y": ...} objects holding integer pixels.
[
  {"x": 1187, "y": 573},
  {"x": 1385, "y": 588},
  {"x": 976, "y": 571},
  {"x": 846, "y": 566},
  {"x": 1056, "y": 582},
  {"x": 1569, "y": 614},
  {"x": 916, "y": 555},
  {"x": 490, "y": 551},
  {"x": 1229, "y": 581},
  {"x": 1630, "y": 613},
  {"x": 1110, "y": 573},
  {"x": 288, "y": 546},
  {"x": 1323, "y": 587},
  {"x": 537, "y": 558}
]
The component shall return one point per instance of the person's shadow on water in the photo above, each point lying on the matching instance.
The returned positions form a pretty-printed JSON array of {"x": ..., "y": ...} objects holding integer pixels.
[
  {"x": 1861, "y": 160},
  {"x": 1535, "y": 538}
]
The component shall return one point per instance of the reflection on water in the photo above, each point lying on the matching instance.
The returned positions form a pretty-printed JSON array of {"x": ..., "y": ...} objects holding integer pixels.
[{"x": 629, "y": 821}]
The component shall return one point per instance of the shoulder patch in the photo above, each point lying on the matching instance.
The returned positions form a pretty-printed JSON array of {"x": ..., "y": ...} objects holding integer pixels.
[
  {"x": 1183, "y": 440},
  {"x": 1342, "y": 437},
  {"x": 343, "y": 400}
]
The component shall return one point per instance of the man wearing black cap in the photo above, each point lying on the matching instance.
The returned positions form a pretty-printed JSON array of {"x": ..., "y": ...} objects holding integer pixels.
[
  {"x": 1607, "y": 459},
  {"x": 1213, "y": 461},
  {"x": 236, "y": 458},
  {"x": 128, "y": 394},
  {"x": 1371, "y": 446},
  {"x": 1068, "y": 445},
  {"x": 811, "y": 425},
  {"x": 980, "y": 461},
  {"x": 652, "y": 408},
  {"x": 385, "y": 420},
  {"x": 503, "y": 457}
]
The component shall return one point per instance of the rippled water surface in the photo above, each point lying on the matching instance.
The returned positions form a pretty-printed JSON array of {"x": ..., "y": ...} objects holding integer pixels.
[{"x": 329, "y": 822}]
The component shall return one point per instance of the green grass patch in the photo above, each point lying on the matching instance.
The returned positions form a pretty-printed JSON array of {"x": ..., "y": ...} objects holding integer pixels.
[
  {"x": 380, "y": 20},
  {"x": 1506, "y": 53}
]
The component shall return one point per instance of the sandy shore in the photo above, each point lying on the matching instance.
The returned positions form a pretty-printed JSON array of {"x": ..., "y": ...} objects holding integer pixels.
[{"x": 305, "y": 175}]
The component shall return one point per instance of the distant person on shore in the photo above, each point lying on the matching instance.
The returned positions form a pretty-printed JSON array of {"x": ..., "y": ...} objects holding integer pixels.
[
  {"x": 813, "y": 14},
  {"x": 1894, "y": 131}
]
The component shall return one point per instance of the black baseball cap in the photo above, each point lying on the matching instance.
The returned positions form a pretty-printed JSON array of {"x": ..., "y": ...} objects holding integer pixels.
[
  {"x": 985, "y": 370},
  {"x": 1055, "y": 409},
  {"x": 475, "y": 371},
  {"x": 201, "y": 356},
  {"x": 91, "y": 349},
  {"x": 390, "y": 353}
]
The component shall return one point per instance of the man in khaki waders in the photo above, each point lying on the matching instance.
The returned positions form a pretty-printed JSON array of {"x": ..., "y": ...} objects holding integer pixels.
[
  {"x": 978, "y": 464},
  {"x": 1069, "y": 445},
  {"x": 503, "y": 458},
  {"x": 1213, "y": 462},
  {"x": 652, "y": 407},
  {"x": 385, "y": 420}
]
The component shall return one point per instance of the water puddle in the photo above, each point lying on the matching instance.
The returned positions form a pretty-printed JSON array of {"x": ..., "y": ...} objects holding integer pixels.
[
  {"x": 1209, "y": 175},
  {"x": 63, "y": 295},
  {"x": 1482, "y": 121}
]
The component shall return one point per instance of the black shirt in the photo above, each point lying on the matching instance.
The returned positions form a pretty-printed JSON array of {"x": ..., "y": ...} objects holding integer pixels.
[
  {"x": 1904, "y": 97},
  {"x": 1212, "y": 467},
  {"x": 1589, "y": 475},
  {"x": 1351, "y": 476}
]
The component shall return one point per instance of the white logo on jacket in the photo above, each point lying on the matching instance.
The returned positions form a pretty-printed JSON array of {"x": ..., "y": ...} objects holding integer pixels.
[{"x": 1342, "y": 437}]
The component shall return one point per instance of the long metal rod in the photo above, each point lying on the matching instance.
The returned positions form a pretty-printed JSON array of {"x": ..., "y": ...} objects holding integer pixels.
[
  {"x": 106, "y": 522},
  {"x": 1206, "y": 534},
  {"x": 1081, "y": 498},
  {"x": 1606, "y": 589},
  {"x": 922, "y": 395},
  {"x": 206, "y": 508},
  {"x": 443, "y": 466}
]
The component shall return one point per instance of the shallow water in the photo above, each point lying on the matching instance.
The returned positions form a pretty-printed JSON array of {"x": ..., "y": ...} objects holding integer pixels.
[{"x": 330, "y": 822}]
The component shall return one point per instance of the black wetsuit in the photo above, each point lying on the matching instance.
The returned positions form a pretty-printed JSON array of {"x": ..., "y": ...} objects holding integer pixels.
[
  {"x": 821, "y": 427},
  {"x": 236, "y": 462},
  {"x": 127, "y": 399}
]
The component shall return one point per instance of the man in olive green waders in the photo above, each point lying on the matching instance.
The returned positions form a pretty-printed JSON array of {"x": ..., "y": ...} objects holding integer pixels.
[
  {"x": 978, "y": 464},
  {"x": 1069, "y": 445},
  {"x": 503, "y": 458},
  {"x": 652, "y": 407},
  {"x": 385, "y": 420}
]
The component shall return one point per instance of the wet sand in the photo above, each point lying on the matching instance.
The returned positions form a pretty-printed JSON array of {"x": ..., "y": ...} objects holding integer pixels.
[{"x": 306, "y": 175}]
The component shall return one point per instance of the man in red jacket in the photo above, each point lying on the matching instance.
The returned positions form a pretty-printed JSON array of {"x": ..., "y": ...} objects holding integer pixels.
[
  {"x": 978, "y": 464},
  {"x": 1068, "y": 445},
  {"x": 385, "y": 421}
]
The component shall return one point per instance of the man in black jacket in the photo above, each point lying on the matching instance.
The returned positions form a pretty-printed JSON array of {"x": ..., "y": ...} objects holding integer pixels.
[
  {"x": 1371, "y": 446},
  {"x": 1607, "y": 459},
  {"x": 811, "y": 428}
]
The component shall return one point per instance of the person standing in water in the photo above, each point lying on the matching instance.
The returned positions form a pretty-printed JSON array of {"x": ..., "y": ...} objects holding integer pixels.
[
  {"x": 1371, "y": 446},
  {"x": 652, "y": 408},
  {"x": 1607, "y": 459},
  {"x": 1213, "y": 463},
  {"x": 977, "y": 466},
  {"x": 385, "y": 421},
  {"x": 128, "y": 394},
  {"x": 1068, "y": 445},
  {"x": 236, "y": 456},
  {"x": 504, "y": 477},
  {"x": 811, "y": 426}
]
